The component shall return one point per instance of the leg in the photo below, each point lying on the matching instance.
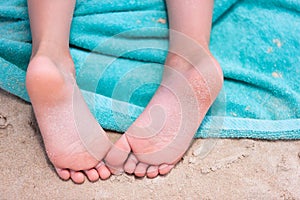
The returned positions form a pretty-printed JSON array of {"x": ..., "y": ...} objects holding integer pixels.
[
  {"x": 192, "y": 79},
  {"x": 74, "y": 141}
]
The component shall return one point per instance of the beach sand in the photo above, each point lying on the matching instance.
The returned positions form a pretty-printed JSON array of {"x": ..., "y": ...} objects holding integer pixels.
[{"x": 233, "y": 169}]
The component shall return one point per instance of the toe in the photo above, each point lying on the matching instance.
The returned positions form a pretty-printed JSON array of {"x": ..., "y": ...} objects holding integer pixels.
[
  {"x": 152, "y": 171},
  {"x": 130, "y": 164},
  {"x": 77, "y": 177},
  {"x": 103, "y": 171},
  {"x": 92, "y": 175},
  {"x": 117, "y": 155},
  {"x": 63, "y": 173},
  {"x": 140, "y": 170},
  {"x": 164, "y": 169}
]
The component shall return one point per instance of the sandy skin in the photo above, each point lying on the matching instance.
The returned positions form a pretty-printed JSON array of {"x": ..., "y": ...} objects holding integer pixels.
[
  {"x": 192, "y": 79},
  {"x": 191, "y": 82}
]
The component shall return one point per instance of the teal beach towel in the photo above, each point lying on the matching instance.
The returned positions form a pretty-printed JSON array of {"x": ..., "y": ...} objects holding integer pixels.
[{"x": 121, "y": 46}]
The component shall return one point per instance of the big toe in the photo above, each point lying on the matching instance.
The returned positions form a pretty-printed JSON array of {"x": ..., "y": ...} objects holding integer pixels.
[
  {"x": 103, "y": 171},
  {"x": 117, "y": 155},
  {"x": 130, "y": 164}
]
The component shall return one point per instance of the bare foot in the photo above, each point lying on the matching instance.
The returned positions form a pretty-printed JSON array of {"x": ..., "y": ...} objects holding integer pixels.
[
  {"x": 163, "y": 132},
  {"x": 74, "y": 141}
]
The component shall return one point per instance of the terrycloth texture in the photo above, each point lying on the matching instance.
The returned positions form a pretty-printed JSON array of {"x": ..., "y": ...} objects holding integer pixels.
[{"x": 256, "y": 43}]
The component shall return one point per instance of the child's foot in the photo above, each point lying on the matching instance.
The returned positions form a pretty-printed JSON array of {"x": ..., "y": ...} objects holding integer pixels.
[
  {"x": 74, "y": 141},
  {"x": 163, "y": 132}
]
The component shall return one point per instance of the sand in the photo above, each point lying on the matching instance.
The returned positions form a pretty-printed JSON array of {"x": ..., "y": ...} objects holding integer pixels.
[{"x": 233, "y": 169}]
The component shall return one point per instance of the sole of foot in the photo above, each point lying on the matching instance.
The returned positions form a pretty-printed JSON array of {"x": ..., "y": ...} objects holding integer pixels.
[
  {"x": 161, "y": 135},
  {"x": 74, "y": 142}
]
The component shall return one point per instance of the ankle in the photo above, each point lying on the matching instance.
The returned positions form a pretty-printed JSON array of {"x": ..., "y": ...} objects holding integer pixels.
[
  {"x": 184, "y": 64},
  {"x": 177, "y": 62},
  {"x": 60, "y": 56}
]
